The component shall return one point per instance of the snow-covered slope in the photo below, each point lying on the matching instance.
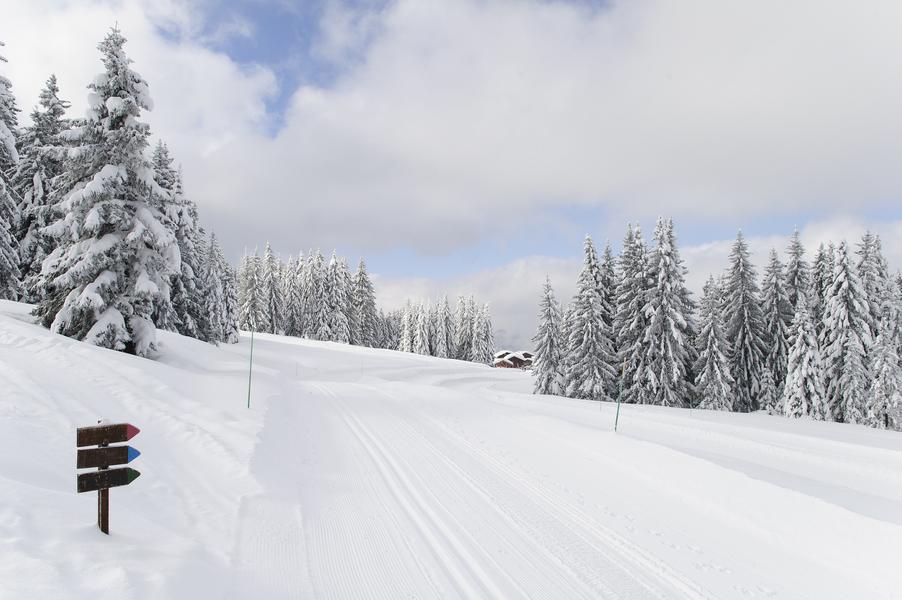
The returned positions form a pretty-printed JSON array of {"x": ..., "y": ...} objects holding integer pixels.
[{"x": 373, "y": 474}]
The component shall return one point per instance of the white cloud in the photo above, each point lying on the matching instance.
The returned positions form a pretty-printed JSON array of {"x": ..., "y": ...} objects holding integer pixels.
[{"x": 452, "y": 121}]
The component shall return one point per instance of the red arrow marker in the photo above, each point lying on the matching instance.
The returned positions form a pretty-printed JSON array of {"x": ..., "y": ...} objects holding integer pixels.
[
  {"x": 105, "y": 434},
  {"x": 131, "y": 431}
]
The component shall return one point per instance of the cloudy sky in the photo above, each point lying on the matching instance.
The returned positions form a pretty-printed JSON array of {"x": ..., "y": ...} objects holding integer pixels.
[{"x": 467, "y": 146}]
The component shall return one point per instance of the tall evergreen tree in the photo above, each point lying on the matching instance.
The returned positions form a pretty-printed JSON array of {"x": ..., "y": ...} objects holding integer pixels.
[
  {"x": 444, "y": 329},
  {"x": 482, "y": 350},
  {"x": 229, "y": 280},
  {"x": 778, "y": 314},
  {"x": 547, "y": 365},
  {"x": 10, "y": 275},
  {"x": 293, "y": 295},
  {"x": 713, "y": 383},
  {"x": 421, "y": 331},
  {"x": 9, "y": 123},
  {"x": 608, "y": 285},
  {"x": 667, "y": 335},
  {"x": 885, "y": 394},
  {"x": 745, "y": 327},
  {"x": 271, "y": 284},
  {"x": 114, "y": 254},
  {"x": 336, "y": 321},
  {"x": 314, "y": 297},
  {"x": 405, "y": 343},
  {"x": 846, "y": 340},
  {"x": 213, "y": 298},
  {"x": 822, "y": 281},
  {"x": 874, "y": 276},
  {"x": 590, "y": 350},
  {"x": 463, "y": 336},
  {"x": 41, "y": 161},
  {"x": 803, "y": 394},
  {"x": 631, "y": 321},
  {"x": 364, "y": 299},
  {"x": 488, "y": 332},
  {"x": 252, "y": 309},
  {"x": 185, "y": 298},
  {"x": 798, "y": 273}
]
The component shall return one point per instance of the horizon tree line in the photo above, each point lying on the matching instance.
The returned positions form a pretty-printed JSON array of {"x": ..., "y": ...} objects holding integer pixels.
[
  {"x": 821, "y": 340},
  {"x": 309, "y": 297}
]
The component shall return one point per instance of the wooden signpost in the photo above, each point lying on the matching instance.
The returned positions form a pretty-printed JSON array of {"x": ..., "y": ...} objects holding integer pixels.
[{"x": 102, "y": 457}]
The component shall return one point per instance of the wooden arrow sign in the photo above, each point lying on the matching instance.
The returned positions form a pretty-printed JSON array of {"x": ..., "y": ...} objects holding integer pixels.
[
  {"x": 106, "y": 456},
  {"x": 99, "y": 480},
  {"x": 101, "y": 435}
]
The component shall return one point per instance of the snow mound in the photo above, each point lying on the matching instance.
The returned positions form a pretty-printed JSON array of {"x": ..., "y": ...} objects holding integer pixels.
[{"x": 362, "y": 473}]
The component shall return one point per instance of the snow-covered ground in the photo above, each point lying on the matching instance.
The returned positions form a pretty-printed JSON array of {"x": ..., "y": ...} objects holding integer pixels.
[{"x": 373, "y": 474}]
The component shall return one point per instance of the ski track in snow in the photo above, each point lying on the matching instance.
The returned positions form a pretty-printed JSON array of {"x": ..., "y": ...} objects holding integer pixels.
[{"x": 373, "y": 474}]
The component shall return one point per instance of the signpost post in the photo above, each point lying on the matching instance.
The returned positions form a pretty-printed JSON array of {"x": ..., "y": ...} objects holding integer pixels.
[{"x": 102, "y": 457}]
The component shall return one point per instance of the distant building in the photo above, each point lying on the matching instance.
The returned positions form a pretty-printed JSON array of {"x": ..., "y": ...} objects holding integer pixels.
[{"x": 506, "y": 359}]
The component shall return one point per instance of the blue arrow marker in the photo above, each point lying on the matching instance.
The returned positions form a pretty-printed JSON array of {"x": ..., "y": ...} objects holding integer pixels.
[{"x": 133, "y": 454}]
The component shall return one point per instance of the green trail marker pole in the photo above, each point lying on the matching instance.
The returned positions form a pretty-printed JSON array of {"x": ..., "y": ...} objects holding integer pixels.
[
  {"x": 250, "y": 370},
  {"x": 619, "y": 396}
]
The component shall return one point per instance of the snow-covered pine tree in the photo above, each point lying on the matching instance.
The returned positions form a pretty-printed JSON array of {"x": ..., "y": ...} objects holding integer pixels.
[
  {"x": 547, "y": 364},
  {"x": 668, "y": 322},
  {"x": 405, "y": 343},
  {"x": 778, "y": 314},
  {"x": 482, "y": 350},
  {"x": 271, "y": 287},
  {"x": 608, "y": 284},
  {"x": 463, "y": 340},
  {"x": 488, "y": 332},
  {"x": 822, "y": 281},
  {"x": 769, "y": 396},
  {"x": 347, "y": 302},
  {"x": 41, "y": 158},
  {"x": 874, "y": 276},
  {"x": 846, "y": 341},
  {"x": 364, "y": 298},
  {"x": 798, "y": 273},
  {"x": 213, "y": 299},
  {"x": 745, "y": 327},
  {"x": 630, "y": 321},
  {"x": 607, "y": 288},
  {"x": 803, "y": 393},
  {"x": 183, "y": 308},
  {"x": 114, "y": 254},
  {"x": 336, "y": 321},
  {"x": 251, "y": 312},
  {"x": 885, "y": 397},
  {"x": 9, "y": 122},
  {"x": 590, "y": 350},
  {"x": 293, "y": 295},
  {"x": 10, "y": 275},
  {"x": 421, "y": 330},
  {"x": 285, "y": 284},
  {"x": 444, "y": 326},
  {"x": 230, "y": 332},
  {"x": 713, "y": 382},
  {"x": 314, "y": 297}
]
